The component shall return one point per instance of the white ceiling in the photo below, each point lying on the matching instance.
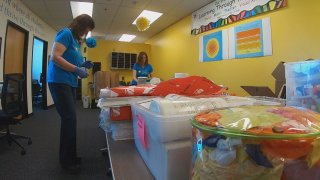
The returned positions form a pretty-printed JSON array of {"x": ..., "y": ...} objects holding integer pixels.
[{"x": 114, "y": 17}]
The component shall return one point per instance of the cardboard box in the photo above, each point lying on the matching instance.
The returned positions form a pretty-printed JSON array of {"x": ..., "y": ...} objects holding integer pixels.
[
  {"x": 278, "y": 86},
  {"x": 101, "y": 80},
  {"x": 259, "y": 91},
  {"x": 114, "y": 81},
  {"x": 279, "y": 74}
]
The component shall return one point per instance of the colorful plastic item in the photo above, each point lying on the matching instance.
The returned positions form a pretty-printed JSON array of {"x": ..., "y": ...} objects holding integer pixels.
[
  {"x": 276, "y": 143},
  {"x": 91, "y": 42}
]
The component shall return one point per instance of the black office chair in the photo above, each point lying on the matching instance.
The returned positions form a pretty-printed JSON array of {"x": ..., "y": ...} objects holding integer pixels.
[
  {"x": 12, "y": 108},
  {"x": 36, "y": 91}
]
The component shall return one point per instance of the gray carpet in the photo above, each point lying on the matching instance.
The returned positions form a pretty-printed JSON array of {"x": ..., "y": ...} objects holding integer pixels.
[{"x": 41, "y": 160}]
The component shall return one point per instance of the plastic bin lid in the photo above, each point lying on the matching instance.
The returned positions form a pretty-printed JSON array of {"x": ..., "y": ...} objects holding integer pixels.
[
  {"x": 272, "y": 122},
  {"x": 302, "y": 62}
]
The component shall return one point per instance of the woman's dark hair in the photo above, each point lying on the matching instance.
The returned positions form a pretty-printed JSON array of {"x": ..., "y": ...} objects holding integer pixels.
[
  {"x": 140, "y": 59},
  {"x": 80, "y": 24}
]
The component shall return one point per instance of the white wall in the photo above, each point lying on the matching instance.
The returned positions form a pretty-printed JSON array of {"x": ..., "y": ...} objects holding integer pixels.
[{"x": 16, "y": 12}]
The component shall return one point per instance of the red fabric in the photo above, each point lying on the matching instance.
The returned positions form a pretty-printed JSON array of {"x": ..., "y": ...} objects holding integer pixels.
[
  {"x": 189, "y": 86},
  {"x": 140, "y": 90},
  {"x": 120, "y": 113}
]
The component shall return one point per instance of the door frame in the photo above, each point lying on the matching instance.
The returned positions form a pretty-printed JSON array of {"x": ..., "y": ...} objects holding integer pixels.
[
  {"x": 25, "y": 62},
  {"x": 43, "y": 77}
]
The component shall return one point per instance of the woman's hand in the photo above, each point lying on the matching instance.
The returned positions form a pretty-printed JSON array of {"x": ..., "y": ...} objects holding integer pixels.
[
  {"x": 87, "y": 64},
  {"x": 81, "y": 72}
]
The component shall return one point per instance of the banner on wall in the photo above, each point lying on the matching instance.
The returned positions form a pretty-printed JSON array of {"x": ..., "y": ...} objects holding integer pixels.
[
  {"x": 224, "y": 12},
  {"x": 214, "y": 47},
  {"x": 244, "y": 41},
  {"x": 250, "y": 40}
]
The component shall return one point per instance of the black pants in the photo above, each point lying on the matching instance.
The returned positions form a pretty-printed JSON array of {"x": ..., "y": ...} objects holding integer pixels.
[{"x": 64, "y": 97}]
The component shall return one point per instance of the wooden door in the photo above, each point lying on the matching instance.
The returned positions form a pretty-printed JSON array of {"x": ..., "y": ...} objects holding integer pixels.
[{"x": 14, "y": 55}]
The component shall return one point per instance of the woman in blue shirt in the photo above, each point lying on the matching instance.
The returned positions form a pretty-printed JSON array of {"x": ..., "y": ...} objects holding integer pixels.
[
  {"x": 65, "y": 66},
  {"x": 141, "y": 68}
]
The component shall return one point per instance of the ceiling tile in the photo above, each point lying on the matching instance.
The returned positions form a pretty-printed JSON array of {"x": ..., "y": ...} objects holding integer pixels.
[
  {"x": 125, "y": 16},
  {"x": 162, "y": 6},
  {"x": 109, "y": 2},
  {"x": 59, "y": 9},
  {"x": 103, "y": 16},
  {"x": 138, "y": 4}
]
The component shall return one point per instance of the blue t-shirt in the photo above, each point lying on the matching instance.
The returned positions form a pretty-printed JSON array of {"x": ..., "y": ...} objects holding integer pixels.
[
  {"x": 72, "y": 55},
  {"x": 142, "y": 71}
]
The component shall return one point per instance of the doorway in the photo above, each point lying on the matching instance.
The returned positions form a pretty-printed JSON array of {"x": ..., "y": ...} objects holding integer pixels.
[
  {"x": 15, "y": 56},
  {"x": 39, "y": 73}
]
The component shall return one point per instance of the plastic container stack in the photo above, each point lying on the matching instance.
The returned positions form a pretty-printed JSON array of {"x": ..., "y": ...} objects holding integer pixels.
[
  {"x": 256, "y": 142},
  {"x": 303, "y": 84},
  {"x": 162, "y": 127},
  {"x": 115, "y": 117}
]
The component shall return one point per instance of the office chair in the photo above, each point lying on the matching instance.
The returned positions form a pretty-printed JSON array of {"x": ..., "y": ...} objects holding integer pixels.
[
  {"x": 36, "y": 91},
  {"x": 12, "y": 108}
]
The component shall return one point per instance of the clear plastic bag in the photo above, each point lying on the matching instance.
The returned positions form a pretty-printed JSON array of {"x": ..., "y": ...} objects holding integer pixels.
[
  {"x": 256, "y": 142},
  {"x": 174, "y": 104},
  {"x": 105, "y": 119}
]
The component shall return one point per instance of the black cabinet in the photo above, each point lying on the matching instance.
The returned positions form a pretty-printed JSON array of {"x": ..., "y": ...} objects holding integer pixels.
[{"x": 121, "y": 60}]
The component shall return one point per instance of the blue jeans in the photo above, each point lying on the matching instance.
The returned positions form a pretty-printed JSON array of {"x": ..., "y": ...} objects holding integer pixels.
[{"x": 64, "y": 97}]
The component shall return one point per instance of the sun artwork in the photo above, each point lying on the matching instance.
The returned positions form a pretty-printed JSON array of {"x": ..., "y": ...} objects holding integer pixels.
[{"x": 212, "y": 48}]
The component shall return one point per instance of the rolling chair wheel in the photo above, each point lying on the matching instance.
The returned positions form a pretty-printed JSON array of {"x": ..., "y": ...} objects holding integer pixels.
[
  {"x": 29, "y": 141},
  {"x": 23, "y": 152}
]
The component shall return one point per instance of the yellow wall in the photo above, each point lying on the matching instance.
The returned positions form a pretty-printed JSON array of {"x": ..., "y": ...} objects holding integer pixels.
[
  {"x": 295, "y": 36},
  {"x": 102, "y": 53}
]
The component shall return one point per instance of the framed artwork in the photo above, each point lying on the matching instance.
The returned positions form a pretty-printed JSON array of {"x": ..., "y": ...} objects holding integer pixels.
[
  {"x": 214, "y": 46},
  {"x": 251, "y": 39}
]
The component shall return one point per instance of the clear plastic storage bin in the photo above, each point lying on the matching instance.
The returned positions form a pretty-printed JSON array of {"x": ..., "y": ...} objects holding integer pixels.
[
  {"x": 162, "y": 130},
  {"x": 256, "y": 142},
  {"x": 121, "y": 130},
  {"x": 303, "y": 84}
]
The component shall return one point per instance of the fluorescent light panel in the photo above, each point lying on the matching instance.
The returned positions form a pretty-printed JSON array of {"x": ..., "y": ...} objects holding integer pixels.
[
  {"x": 127, "y": 37},
  {"x": 151, "y": 15},
  {"x": 79, "y": 8}
]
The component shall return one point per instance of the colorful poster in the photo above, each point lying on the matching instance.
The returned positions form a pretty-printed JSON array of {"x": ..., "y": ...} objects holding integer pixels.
[
  {"x": 214, "y": 47},
  {"x": 251, "y": 39},
  {"x": 224, "y": 12},
  {"x": 248, "y": 40}
]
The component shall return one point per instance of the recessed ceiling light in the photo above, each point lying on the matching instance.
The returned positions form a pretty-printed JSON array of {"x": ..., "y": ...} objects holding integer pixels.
[
  {"x": 127, "y": 37},
  {"x": 79, "y": 8},
  {"x": 150, "y": 15}
]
